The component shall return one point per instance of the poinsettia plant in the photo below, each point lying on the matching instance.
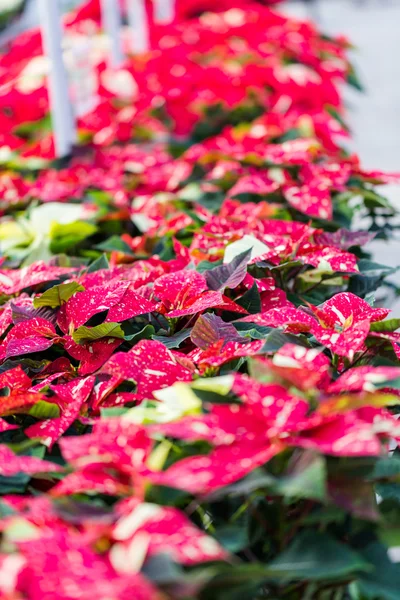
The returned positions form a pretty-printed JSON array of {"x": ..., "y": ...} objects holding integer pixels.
[{"x": 199, "y": 377}]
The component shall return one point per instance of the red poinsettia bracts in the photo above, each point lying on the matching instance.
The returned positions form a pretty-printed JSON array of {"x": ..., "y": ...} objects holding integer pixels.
[
  {"x": 12, "y": 464},
  {"x": 84, "y": 570},
  {"x": 306, "y": 369},
  {"x": 342, "y": 324},
  {"x": 250, "y": 434},
  {"x": 110, "y": 460},
  {"x": 71, "y": 397},
  {"x": 160, "y": 530},
  {"x": 14, "y": 281},
  {"x": 150, "y": 365}
]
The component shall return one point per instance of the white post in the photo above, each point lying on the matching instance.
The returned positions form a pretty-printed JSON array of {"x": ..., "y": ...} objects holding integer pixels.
[
  {"x": 111, "y": 19},
  {"x": 164, "y": 11},
  {"x": 137, "y": 19},
  {"x": 83, "y": 82},
  {"x": 61, "y": 110}
]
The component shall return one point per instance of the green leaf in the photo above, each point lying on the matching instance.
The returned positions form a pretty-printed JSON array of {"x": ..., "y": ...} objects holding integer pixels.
[
  {"x": 173, "y": 341},
  {"x": 256, "y": 332},
  {"x": 291, "y": 134},
  {"x": 386, "y": 467},
  {"x": 389, "y": 526},
  {"x": 161, "y": 569},
  {"x": 361, "y": 285},
  {"x": 389, "y": 325},
  {"x": 370, "y": 268},
  {"x": 6, "y": 511},
  {"x": 99, "y": 264},
  {"x": 257, "y": 480},
  {"x": 84, "y": 334},
  {"x": 370, "y": 298},
  {"x": 58, "y": 294},
  {"x": 64, "y": 237},
  {"x": 206, "y": 265},
  {"x": 238, "y": 582},
  {"x": 28, "y": 129},
  {"x": 115, "y": 244},
  {"x": 284, "y": 268},
  {"x": 353, "y": 80},
  {"x": 16, "y": 484},
  {"x": 370, "y": 278},
  {"x": 114, "y": 411},
  {"x": 371, "y": 199},
  {"x": 324, "y": 516},
  {"x": 251, "y": 300},
  {"x": 316, "y": 556},
  {"x": 276, "y": 339},
  {"x": 233, "y": 537},
  {"x": 215, "y": 398},
  {"x": 44, "y": 410},
  {"x": 146, "y": 333},
  {"x": 389, "y": 491},
  {"x": 308, "y": 479},
  {"x": 384, "y": 581}
]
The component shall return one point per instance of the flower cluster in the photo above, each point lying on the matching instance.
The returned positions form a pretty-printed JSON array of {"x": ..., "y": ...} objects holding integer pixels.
[{"x": 198, "y": 385}]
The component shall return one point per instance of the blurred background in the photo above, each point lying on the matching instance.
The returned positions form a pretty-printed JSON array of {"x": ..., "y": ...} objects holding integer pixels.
[
  {"x": 372, "y": 26},
  {"x": 374, "y": 116}
]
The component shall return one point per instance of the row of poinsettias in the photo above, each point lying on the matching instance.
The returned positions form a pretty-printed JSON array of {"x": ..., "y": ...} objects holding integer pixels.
[
  {"x": 221, "y": 66},
  {"x": 190, "y": 344}
]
